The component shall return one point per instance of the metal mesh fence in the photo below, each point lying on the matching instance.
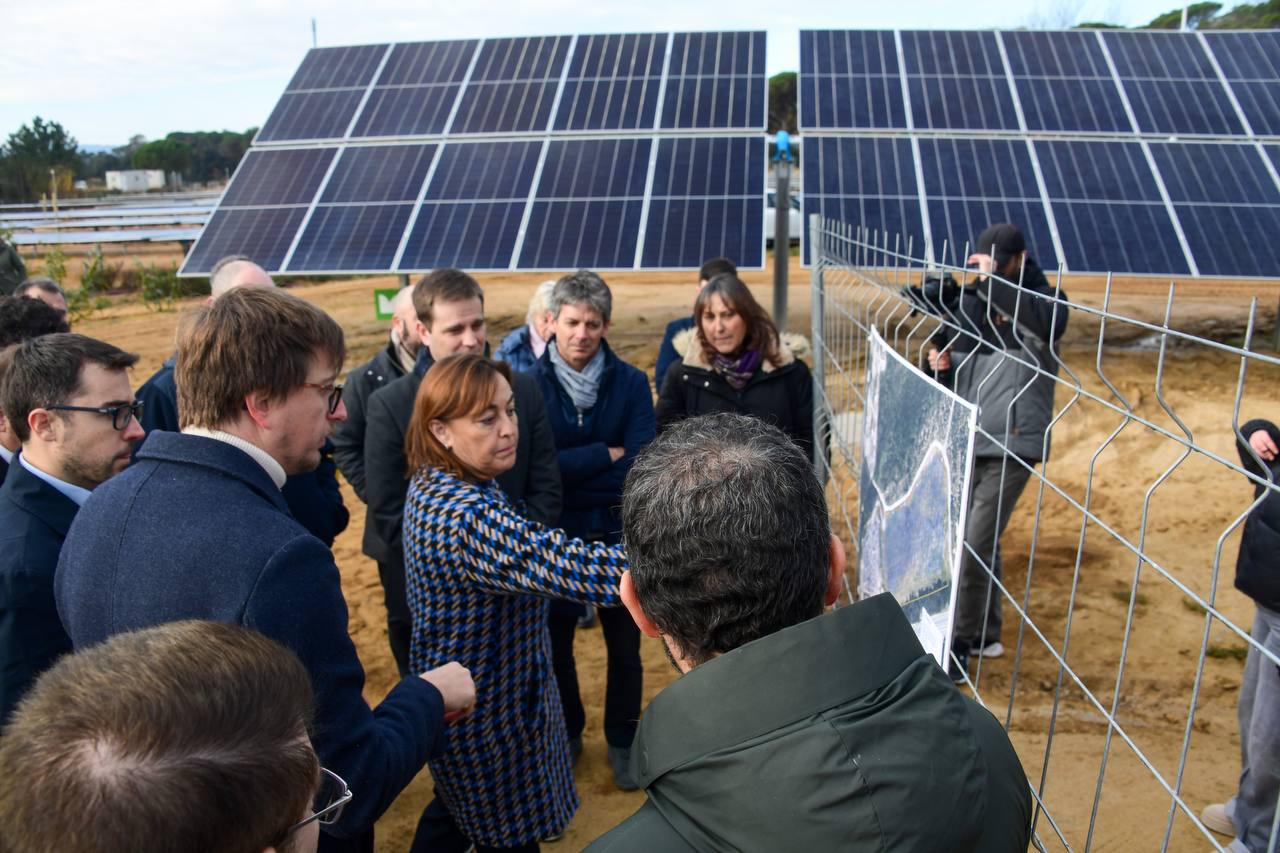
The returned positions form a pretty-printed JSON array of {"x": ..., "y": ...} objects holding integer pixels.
[{"x": 1124, "y": 641}]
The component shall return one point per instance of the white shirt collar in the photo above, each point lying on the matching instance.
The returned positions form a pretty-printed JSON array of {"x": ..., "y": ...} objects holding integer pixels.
[
  {"x": 76, "y": 494},
  {"x": 262, "y": 457},
  {"x": 6, "y": 454}
]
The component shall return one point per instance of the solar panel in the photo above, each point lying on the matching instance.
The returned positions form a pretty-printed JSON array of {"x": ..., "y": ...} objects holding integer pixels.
[
  {"x": 850, "y": 79},
  {"x": 1063, "y": 82},
  {"x": 956, "y": 81},
  {"x": 1251, "y": 62},
  {"x": 864, "y": 180},
  {"x": 546, "y": 152},
  {"x": 1171, "y": 83}
]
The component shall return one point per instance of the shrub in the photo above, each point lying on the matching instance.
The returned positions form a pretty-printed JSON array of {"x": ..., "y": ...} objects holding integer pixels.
[{"x": 98, "y": 275}]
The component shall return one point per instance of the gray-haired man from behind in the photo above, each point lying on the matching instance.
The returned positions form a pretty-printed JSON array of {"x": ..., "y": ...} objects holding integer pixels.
[{"x": 790, "y": 729}]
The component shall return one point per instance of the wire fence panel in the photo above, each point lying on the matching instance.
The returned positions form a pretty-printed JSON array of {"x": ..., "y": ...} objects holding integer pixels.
[{"x": 1123, "y": 638}]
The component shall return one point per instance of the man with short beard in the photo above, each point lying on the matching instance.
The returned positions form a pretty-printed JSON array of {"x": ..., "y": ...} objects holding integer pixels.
[{"x": 68, "y": 401}]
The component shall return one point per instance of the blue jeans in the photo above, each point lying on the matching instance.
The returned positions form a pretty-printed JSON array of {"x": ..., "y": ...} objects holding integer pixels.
[{"x": 1253, "y": 808}]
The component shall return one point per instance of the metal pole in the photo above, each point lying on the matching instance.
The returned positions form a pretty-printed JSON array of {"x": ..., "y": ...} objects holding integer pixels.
[
  {"x": 781, "y": 241},
  {"x": 817, "y": 309}
]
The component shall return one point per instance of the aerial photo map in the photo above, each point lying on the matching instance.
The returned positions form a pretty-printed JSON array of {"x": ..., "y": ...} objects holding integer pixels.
[{"x": 917, "y": 447}]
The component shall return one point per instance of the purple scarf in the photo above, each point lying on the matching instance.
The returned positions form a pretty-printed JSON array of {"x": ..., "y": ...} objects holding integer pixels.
[{"x": 737, "y": 371}]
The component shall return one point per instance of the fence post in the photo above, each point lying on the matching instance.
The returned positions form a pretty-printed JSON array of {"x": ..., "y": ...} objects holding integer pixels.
[{"x": 817, "y": 307}]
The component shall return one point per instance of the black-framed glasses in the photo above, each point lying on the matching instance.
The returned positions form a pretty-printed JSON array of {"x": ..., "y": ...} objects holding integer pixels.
[
  {"x": 120, "y": 415},
  {"x": 330, "y": 799},
  {"x": 334, "y": 390}
]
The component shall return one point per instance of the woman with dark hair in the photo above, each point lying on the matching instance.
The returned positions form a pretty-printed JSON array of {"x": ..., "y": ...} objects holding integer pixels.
[
  {"x": 733, "y": 360},
  {"x": 479, "y": 575}
]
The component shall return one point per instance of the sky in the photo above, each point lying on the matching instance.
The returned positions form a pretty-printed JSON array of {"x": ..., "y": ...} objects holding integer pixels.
[{"x": 108, "y": 71}]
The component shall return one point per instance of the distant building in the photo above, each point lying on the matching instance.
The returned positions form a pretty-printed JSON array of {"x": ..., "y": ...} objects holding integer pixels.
[{"x": 135, "y": 180}]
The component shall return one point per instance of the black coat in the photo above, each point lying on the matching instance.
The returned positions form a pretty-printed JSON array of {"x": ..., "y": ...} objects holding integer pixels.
[
  {"x": 34, "y": 519},
  {"x": 532, "y": 484},
  {"x": 1258, "y": 566},
  {"x": 348, "y": 436},
  {"x": 196, "y": 529},
  {"x": 314, "y": 497},
  {"x": 782, "y": 395}
]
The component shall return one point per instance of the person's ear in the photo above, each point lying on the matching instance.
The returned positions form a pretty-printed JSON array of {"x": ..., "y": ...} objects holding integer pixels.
[
  {"x": 40, "y": 423},
  {"x": 627, "y": 591},
  {"x": 424, "y": 334},
  {"x": 441, "y": 431},
  {"x": 259, "y": 405},
  {"x": 835, "y": 575}
]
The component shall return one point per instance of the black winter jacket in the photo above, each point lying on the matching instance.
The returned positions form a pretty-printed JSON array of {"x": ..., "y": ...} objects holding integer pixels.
[
  {"x": 1258, "y": 566},
  {"x": 782, "y": 395},
  {"x": 348, "y": 436}
]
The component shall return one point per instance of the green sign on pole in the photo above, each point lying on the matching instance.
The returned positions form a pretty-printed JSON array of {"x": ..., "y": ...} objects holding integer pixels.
[{"x": 382, "y": 299}]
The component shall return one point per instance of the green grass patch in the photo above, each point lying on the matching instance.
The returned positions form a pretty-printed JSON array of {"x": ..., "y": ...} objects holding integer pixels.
[
  {"x": 1122, "y": 596},
  {"x": 1228, "y": 652}
]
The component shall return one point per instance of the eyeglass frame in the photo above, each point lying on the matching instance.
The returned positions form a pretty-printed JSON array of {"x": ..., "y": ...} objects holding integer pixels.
[
  {"x": 334, "y": 389},
  {"x": 134, "y": 409},
  {"x": 330, "y": 813}
]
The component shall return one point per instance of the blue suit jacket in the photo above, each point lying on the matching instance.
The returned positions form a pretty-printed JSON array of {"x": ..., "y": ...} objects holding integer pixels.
[
  {"x": 622, "y": 417},
  {"x": 314, "y": 498},
  {"x": 195, "y": 529},
  {"x": 34, "y": 519}
]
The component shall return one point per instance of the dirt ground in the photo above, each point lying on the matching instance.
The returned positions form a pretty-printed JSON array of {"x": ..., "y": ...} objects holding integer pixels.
[{"x": 1187, "y": 513}]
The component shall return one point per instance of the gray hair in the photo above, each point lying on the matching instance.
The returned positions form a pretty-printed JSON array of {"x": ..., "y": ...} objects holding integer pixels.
[
  {"x": 582, "y": 288},
  {"x": 727, "y": 533},
  {"x": 538, "y": 304},
  {"x": 41, "y": 282}
]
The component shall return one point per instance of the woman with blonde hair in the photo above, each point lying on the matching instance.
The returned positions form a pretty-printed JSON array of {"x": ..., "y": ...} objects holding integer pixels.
[{"x": 479, "y": 576}]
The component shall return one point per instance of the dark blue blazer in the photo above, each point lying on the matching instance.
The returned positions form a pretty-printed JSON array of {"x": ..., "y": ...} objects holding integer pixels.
[
  {"x": 34, "y": 519},
  {"x": 4, "y": 470},
  {"x": 622, "y": 417},
  {"x": 667, "y": 354},
  {"x": 195, "y": 529},
  {"x": 314, "y": 498}
]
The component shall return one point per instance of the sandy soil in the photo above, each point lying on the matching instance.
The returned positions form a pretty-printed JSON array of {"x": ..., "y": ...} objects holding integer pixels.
[{"x": 1186, "y": 515}]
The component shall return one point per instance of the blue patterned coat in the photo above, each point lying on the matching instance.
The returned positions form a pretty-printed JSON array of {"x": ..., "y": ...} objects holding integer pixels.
[{"x": 477, "y": 572}]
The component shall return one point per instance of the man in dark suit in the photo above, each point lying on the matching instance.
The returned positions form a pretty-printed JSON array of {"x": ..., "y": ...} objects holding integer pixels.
[
  {"x": 389, "y": 364},
  {"x": 197, "y": 529},
  {"x": 68, "y": 400},
  {"x": 313, "y": 496},
  {"x": 450, "y": 320}
]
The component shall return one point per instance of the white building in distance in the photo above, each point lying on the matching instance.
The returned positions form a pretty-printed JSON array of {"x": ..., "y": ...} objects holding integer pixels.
[{"x": 135, "y": 180}]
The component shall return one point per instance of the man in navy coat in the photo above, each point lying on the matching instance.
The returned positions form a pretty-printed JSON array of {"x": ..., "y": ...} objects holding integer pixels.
[
  {"x": 69, "y": 401},
  {"x": 313, "y": 496},
  {"x": 197, "y": 529}
]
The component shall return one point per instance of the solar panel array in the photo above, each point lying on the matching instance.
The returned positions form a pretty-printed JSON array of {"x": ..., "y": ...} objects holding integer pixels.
[
  {"x": 1148, "y": 152},
  {"x": 604, "y": 151}
]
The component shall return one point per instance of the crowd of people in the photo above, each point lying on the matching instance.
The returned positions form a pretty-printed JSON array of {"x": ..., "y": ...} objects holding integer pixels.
[{"x": 176, "y": 671}]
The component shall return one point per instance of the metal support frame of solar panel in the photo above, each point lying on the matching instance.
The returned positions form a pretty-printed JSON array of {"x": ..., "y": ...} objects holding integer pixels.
[
  {"x": 336, "y": 170},
  {"x": 1082, "y": 121}
]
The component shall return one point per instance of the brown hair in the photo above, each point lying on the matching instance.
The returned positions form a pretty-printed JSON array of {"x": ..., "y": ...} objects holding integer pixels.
[
  {"x": 761, "y": 335},
  {"x": 443, "y": 285},
  {"x": 457, "y": 387},
  {"x": 46, "y": 371},
  {"x": 187, "y": 736},
  {"x": 249, "y": 340}
]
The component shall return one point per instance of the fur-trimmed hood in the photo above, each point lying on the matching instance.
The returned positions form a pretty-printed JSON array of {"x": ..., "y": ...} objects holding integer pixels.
[{"x": 790, "y": 348}]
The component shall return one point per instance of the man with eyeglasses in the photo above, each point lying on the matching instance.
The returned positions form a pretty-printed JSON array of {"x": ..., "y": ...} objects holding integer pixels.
[
  {"x": 197, "y": 528},
  {"x": 222, "y": 762},
  {"x": 67, "y": 400},
  {"x": 313, "y": 496}
]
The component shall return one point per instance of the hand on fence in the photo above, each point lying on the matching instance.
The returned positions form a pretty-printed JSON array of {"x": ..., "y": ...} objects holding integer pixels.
[
  {"x": 1262, "y": 445},
  {"x": 939, "y": 360},
  {"x": 985, "y": 263}
]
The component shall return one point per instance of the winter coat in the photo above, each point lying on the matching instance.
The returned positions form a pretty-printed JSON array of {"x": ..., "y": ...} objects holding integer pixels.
[
  {"x": 314, "y": 497},
  {"x": 1258, "y": 565},
  {"x": 13, "y": 271},
  {"x": 348, "y": 436},
  {"x": 196, "y": 529},
  {"x": 34, "y": 520},
  {"x": 516, "y": 350},
  {"x": 992, "y": 366},
  {"x": 782, "y": 395},
  {"x": 840, "y": 733},
  {"x": 622, "y": 417},
  {"x": 477, "y": 573}
]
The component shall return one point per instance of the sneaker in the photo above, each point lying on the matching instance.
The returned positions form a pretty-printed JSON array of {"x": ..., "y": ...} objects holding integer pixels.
[
  {"x": 992, "y": 650},
  {"x": 1215, "y": 817},
  {"x": 620, "y": 761},
  {"x": 959, "y": 665}
]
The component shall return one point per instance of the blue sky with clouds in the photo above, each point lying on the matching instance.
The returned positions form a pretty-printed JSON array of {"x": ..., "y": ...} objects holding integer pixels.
[{"x": 107, "y": 71}]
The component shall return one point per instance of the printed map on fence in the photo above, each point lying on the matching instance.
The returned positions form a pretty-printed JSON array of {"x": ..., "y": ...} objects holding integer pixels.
[{"x": 917, "y": 446}]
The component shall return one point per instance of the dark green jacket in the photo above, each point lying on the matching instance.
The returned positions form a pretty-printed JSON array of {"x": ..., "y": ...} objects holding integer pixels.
[{"x": 839, "y": 733}]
